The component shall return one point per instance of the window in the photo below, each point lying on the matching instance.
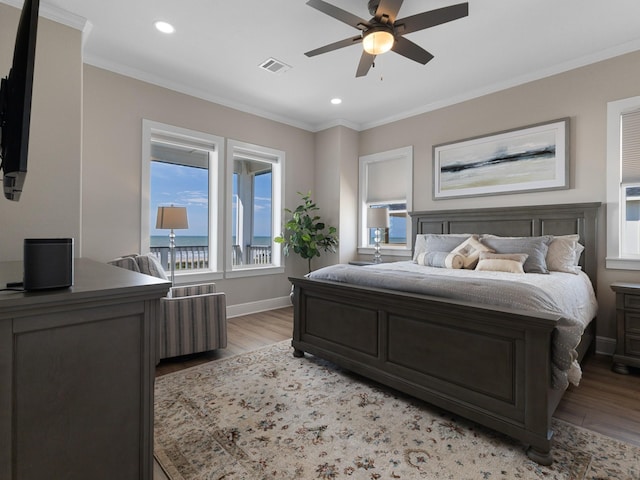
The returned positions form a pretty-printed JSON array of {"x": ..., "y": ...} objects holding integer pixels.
[
  {"x": 385, "y": 180},
  {"x": 256, "y": 206},
  {"x": 623, "y": 184},
  {"x": 183, "y": 168},
  {"x": 180, "y": 175}
]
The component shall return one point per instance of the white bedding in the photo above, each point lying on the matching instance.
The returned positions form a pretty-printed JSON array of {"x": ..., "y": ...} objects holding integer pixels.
[{"x": 566, "y": 294}]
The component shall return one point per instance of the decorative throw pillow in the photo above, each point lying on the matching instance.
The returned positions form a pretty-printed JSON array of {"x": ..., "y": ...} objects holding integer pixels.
[
  {"x": 441, "y": 260},
  {"x": 470, "y": 250},
  {"x": 564, "y": 254},
  {"x": 150, "y": 265},
  {"x": 127, "y": 261},
  {"x": 433, "y": 242},
  {"x": 502, "y": 262},
  {"x": 535, "y": 247}
]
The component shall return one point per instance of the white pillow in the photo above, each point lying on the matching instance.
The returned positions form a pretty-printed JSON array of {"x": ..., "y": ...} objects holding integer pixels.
[
  {"x": 501, "y": 262},
  {"x": 564, "y": 254}
]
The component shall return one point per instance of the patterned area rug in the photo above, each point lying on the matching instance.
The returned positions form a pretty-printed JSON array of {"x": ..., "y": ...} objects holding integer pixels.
[{"x": 268, "y": 415}]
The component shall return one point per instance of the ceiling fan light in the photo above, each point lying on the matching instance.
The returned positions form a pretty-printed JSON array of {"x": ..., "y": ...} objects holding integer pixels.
[{"x": 377, "y": 41}]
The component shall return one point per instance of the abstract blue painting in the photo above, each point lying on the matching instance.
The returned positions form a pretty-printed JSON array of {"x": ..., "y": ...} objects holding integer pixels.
[{"x": 519, "y": 160}]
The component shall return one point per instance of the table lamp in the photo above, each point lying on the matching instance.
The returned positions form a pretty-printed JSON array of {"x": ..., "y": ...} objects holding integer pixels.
[
  {"x": 377, "y": 217},
  {"x": 172, "y": 218}
]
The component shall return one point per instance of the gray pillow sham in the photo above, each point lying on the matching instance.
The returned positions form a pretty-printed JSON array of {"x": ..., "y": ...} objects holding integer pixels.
[
  {"x": 432, "y": 242},
  {"x": 535, "y": 247}
]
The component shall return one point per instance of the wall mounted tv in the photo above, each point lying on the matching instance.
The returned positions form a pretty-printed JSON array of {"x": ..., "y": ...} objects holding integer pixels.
[{"x": 15, "y": 103}]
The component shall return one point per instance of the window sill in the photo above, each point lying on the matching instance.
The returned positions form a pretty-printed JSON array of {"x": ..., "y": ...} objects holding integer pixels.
[
  {"x": 254, "y": 271},
  {"x": 186, "y": 278},
  {"x": 617, "y": 263}
]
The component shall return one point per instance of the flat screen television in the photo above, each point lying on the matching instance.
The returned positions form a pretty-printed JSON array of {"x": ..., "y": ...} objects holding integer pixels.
[{"x": 15, "y": 103}]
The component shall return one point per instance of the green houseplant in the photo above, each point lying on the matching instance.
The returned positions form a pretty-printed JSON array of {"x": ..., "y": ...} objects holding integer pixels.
[{"x": 305, "y": 233}]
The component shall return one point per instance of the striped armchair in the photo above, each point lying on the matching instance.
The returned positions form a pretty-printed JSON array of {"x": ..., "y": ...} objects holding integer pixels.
[{"x": 193, "y": 318}]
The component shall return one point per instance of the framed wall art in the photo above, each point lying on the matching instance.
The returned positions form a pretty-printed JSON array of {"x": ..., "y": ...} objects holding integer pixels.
[{"x": 525, "y": 159}]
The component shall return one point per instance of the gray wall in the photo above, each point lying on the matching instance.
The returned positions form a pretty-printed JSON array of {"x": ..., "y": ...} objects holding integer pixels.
[
  {"x": 50, "y": 205},
  {"x": 336, "y": 188}
]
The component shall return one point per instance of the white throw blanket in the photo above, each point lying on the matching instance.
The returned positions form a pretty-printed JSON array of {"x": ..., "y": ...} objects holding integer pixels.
[{"x": 565, "y": 294}]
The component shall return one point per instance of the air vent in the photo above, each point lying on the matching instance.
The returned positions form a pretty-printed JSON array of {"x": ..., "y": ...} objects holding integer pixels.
[{"x": 274, "y": 66}]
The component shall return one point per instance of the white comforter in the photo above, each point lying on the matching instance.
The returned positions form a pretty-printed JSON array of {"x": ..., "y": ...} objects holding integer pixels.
[{"x": 566, "y": 294}]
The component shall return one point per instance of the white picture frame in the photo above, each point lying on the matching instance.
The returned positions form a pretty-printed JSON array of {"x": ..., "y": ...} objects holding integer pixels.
[{"x": 526, "y": 159}]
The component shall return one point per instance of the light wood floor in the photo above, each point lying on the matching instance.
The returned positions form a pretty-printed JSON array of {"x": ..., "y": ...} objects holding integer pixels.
[{"x": 605, "y": 401}]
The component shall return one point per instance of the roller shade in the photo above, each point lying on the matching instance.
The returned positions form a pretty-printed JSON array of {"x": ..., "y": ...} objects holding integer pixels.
[
  {"x": 387, "y": 181},
  {"x": 630, "y": 146}
]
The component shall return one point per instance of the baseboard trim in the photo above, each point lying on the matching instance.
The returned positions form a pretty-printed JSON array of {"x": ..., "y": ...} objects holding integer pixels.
[
  {"x": 605, "y": 345},
  {"x": 256, "y": 307}
]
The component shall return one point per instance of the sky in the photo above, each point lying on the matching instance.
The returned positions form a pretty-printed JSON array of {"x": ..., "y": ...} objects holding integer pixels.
[{"x": 188, "y": 187}]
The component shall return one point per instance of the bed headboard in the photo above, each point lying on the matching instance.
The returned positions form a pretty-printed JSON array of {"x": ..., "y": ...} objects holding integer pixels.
[{"x": 526, "y": 221}]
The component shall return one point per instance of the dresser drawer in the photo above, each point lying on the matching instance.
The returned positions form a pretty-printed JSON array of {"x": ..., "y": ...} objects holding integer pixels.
[
  {"x": 632, "y": 345},
  {"x": 632, "y": 301},
  {"x": 632, "y": 323}
]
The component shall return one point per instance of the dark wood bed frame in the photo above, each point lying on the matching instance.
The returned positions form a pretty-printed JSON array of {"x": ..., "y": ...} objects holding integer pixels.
[{"x": 488, "y": 364}]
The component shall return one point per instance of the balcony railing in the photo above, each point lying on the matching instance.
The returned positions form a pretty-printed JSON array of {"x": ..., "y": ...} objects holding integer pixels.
[{"x": 197, "y": 257}]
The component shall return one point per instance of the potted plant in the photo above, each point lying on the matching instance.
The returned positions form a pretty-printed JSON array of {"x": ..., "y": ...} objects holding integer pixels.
[{"x": 305, "y": 233}]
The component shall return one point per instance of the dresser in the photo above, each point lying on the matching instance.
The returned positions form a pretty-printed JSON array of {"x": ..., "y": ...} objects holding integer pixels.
[
  {"x": 77, "y": 369},
  {"x": 627, "y": 326}
]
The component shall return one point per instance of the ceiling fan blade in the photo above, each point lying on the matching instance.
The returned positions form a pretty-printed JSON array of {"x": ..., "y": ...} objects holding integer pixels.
[
  {"x": 366, "y": 60},
  {"x": 408, "y": 49},
  {"x": 339, "y": 14},
  {"x": 335, "y": 46},
  {"x": 389, "y": 9},
  {"x": 432, "y": 18}
]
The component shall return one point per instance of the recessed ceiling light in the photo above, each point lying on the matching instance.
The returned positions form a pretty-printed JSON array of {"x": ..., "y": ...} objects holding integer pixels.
[
  {"x": 164, "y": 27},
  {"x": 336, "y": 101}
]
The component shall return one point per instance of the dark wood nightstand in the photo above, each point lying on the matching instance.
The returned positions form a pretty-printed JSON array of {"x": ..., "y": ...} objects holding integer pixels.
[
  {"x": 360, "y": 263},
  {"x": 628, "y": 326}
]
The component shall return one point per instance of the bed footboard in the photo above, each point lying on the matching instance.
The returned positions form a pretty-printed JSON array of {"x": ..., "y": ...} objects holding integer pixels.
[{"x": 488, "y": 364}]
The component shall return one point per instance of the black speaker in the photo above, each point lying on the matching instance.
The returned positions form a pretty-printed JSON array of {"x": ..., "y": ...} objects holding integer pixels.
[{"x": 48, "y": 263}]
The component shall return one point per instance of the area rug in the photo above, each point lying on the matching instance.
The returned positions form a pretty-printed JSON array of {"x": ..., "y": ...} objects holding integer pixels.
[{"x": 268, "y": 415}]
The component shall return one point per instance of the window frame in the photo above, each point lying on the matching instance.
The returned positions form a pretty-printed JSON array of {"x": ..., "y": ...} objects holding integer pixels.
[
  {"x": 363, "y": 232},
  {"x": 214, "y": 143},
  {"x": 615, "y": 258},
  {"x": 277, "y": 160}
]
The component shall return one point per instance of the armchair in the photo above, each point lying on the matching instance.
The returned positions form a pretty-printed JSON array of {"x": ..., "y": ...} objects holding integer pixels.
[{"x": 193, "y": 318}]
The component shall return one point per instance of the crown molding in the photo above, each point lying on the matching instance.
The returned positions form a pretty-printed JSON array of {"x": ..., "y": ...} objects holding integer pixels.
[
  {"x": 560, "y": 68},
  {"x": 56, "y": 14}
]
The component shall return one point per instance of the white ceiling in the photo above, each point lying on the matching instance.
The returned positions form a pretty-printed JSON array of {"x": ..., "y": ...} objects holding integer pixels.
[{"x": 218, "y": 46}]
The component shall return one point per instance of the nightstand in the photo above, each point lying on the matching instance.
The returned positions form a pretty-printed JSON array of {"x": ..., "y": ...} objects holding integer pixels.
[
  {"x": 628, "y": 326},
  {"x": 360, "y": 263}
]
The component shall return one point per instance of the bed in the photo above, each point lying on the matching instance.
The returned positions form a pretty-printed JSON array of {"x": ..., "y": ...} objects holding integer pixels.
[{"x": 491, "y": 364}]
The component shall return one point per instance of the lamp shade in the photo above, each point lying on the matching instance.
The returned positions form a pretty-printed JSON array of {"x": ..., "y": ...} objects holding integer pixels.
[
  {"x": 378, "y": 217},
  {"x": 172, "y": 218}
]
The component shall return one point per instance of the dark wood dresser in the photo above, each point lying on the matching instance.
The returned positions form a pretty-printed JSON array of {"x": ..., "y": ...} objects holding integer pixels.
[{"x": 77, "y": 368}]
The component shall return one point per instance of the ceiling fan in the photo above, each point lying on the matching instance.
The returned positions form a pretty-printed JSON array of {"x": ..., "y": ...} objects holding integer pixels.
[{"x": 384, "y": 32}]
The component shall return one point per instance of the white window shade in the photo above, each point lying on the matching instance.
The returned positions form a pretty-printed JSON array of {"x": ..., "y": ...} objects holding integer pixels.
[
  {"x": 387, "y": 181},
  {"x": 630, "y": 147}
]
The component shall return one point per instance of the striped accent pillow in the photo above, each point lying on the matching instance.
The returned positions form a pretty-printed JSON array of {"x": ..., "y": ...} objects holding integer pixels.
[
  {"x": 150, "y": 265},
  {"x": 128, "y": 262}
]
